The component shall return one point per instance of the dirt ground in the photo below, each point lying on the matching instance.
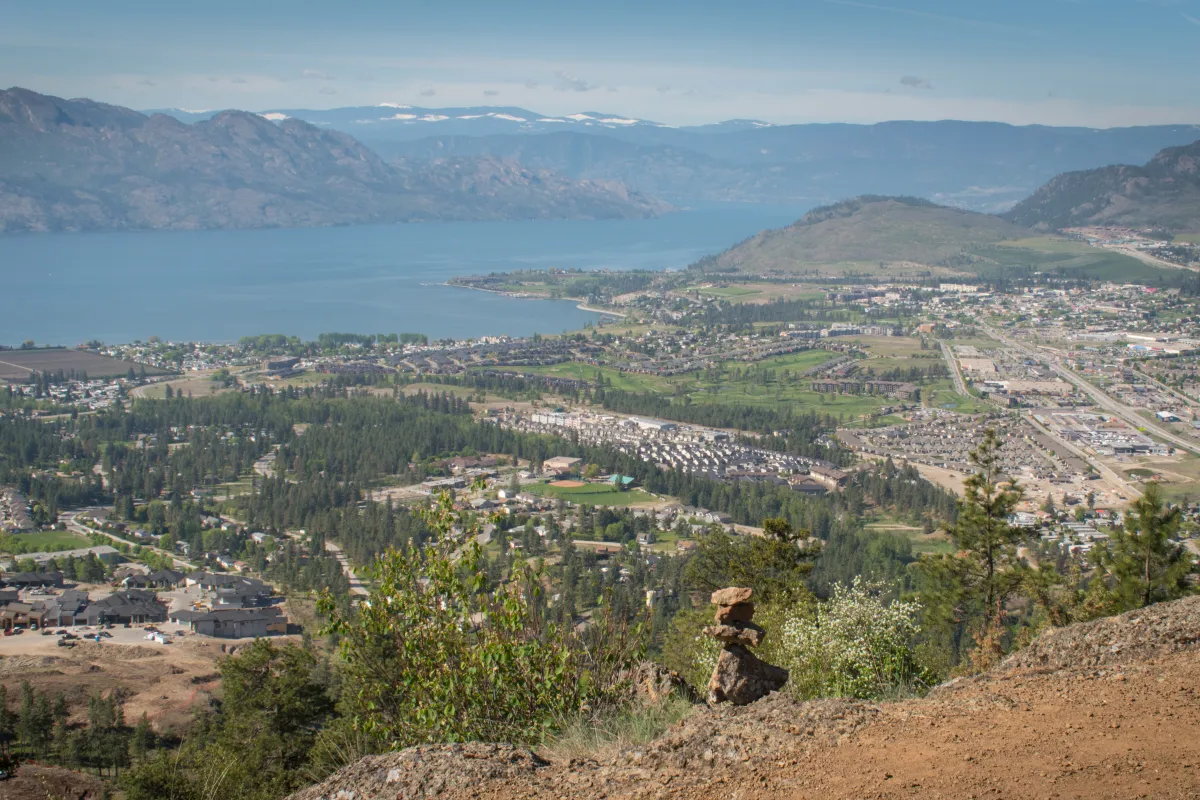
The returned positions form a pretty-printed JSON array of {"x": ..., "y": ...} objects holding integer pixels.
[
  {"x": 36, "y": 782},
  {"x": 163, "y": 681},
  {"x": 1103, "y": 710}
]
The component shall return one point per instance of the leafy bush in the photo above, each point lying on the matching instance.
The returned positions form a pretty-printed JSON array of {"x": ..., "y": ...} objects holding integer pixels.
[
  {"x": 436, "y": 654},
  {"x": 855, "y": 645}
]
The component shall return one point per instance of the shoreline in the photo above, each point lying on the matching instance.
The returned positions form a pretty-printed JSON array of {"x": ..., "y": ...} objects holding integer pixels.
[{"x": 581, "y": 304}]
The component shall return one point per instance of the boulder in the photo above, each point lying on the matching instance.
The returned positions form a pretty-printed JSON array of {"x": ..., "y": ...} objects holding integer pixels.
[
  {"x": 746, "y": 633},
  {"x": 742, "y": 612},
  {"x": 731, "y": 596},
  {"x": 741, "y": 678}
]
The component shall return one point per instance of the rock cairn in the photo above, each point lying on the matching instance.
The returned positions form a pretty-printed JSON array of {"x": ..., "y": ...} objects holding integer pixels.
[{"x": 740, "y": 677}]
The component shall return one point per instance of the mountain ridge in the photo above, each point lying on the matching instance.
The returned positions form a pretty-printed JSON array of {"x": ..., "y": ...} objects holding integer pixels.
[
  {"x": 1165, "y": 192},
  {"x": 983, "y": 166},
  {"x": 85, "y": 165}
]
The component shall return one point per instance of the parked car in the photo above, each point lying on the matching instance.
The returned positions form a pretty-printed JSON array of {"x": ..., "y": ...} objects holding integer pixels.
[
  {"x": 60, "y": 632},
  {"x": 105, "y": 634}
]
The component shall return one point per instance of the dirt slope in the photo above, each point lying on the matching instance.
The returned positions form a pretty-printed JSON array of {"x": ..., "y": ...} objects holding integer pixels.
[{"x": 1103, "y": 710}]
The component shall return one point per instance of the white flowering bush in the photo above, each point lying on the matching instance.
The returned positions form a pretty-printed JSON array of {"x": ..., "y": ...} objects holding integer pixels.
[{"x": 854, "y": 645}]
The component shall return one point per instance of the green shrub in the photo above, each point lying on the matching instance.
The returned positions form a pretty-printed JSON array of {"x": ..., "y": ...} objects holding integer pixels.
[
  {"x": 436, "y": 654},
  {"x": 854, "y": 645}
]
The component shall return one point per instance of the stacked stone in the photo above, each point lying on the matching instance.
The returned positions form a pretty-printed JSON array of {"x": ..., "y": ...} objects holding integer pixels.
[{"x": 740, "y": 677}]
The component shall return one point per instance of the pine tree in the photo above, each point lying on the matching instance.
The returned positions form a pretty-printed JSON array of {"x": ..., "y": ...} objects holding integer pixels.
[
  {"x": 966, "y": 592},
  {"x": 1145, "y": 565}
]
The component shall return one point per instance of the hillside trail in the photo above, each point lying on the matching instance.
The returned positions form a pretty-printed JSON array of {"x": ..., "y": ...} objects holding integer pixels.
[{"x": 1103, "y": 710}]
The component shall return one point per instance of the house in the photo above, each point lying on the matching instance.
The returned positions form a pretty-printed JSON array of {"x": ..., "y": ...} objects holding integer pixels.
[
  {"x": 15, "y": 615},
  {"x": 234, "y": 623},
  {"x": 830, "y": 477},
  {"x": 808, "y": 486},
  {"x": 560, "y": 464},
  {"x": 29, "y": 580},
  {"x": 130, "y": 606}
]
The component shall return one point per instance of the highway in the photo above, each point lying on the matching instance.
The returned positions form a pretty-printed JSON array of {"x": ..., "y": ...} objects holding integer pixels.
[
  {"x": 955, "y": 372},
  {"x": 1101, "y": 399}
]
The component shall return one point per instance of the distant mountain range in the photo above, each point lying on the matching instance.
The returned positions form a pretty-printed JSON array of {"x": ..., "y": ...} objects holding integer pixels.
[
  {"x": 83, "y": 165},
  {"x": 978, "y": 165},
  {"x": 1165, "y": 193}
]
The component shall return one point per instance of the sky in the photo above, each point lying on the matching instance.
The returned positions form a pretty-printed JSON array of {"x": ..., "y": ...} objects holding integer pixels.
[{"x": 1097, "y": 63}]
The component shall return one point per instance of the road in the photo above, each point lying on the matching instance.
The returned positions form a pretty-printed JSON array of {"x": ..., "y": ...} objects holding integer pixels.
[
  {"x": 67, "y": 518},
  {"x": 1101, "y": 399},
  {"x": 959, "y": 385},
  {"x": 357, "y": 587}
]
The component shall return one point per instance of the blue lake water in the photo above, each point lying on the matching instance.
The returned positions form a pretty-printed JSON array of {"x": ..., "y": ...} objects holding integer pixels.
[{"x": 220, "y": 285}]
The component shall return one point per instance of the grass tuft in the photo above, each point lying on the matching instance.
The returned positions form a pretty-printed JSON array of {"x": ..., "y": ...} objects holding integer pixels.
[{"x": 607, "y": 734}]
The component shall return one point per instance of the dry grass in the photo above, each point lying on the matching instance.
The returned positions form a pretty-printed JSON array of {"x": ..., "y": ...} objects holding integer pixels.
[{"x": 605, "y": 735}]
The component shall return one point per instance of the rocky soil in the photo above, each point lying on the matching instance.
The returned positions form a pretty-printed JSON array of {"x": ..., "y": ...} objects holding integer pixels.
[
  {"x": 1100, "y": 710},
  {"x": 35, "y": 782}
]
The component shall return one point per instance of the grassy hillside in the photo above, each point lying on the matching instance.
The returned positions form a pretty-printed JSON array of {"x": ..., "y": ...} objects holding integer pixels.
[
  {"x": 869, "y": 231},
  {"x": 866, "y": 229}
]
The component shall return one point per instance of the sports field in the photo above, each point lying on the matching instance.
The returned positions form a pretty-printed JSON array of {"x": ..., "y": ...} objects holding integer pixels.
[{"x": 592, "y": 494}]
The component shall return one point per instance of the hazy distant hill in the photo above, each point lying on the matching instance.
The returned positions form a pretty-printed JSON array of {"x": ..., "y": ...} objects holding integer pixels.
[
  {"x": 83, "y": 165},
  {"x": 1164, "y": 193},
  {"x": 867, "y": 229},
  {"x": 985, "y": 166}
]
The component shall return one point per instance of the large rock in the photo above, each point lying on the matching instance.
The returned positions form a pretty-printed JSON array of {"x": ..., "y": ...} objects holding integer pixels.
[
  {"x": 742, "y": 612},
  {"x": 741, "y": 678},
  {"x": 732, "y": 596},
  {"x": 746, "y": 633}
]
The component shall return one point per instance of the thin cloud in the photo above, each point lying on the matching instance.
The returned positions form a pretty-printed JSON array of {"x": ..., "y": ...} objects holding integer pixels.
[
  {"x": 1190, "y": 18},
  {"x": 146, "y": 82},
  {"x": 570, "y": 83},
  {"x": 327, "y": 90},
  {"x": 428, "y": 92},
  {"x": 490, "y": 92},
  {"x": 913, "y": 82},
  {"x": 531, "y": 84},
  {"x": 999, "y": 27},
  {"x": 315, "y": 75}
]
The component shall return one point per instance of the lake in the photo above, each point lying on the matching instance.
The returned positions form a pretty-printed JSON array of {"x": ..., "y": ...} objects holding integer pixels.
[{"x": 217, "y": 286}]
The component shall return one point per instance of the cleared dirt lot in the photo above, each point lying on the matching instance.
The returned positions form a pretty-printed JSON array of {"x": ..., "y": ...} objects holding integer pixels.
[
  {"x": 164, "y": 681},
  {"x": 18, "y": 365}
]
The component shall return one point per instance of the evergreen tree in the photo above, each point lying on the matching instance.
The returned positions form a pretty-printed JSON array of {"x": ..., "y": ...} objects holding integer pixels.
[
  {"x": 1144, "y": 563},
  {"x": 967, "y": 591}
]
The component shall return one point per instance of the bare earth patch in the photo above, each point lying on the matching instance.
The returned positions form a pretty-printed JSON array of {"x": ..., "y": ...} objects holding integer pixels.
[{"x": 1100, "y": 710}]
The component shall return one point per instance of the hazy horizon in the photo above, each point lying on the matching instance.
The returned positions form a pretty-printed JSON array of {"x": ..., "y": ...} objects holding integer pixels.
[{"x": 1063, "y": 62}]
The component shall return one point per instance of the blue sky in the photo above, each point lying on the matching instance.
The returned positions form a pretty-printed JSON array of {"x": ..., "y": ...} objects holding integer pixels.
[{"x": 1100, "y": 63}]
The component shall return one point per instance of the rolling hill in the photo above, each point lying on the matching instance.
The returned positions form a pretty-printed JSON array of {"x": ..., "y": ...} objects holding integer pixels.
[
  {"x": 903, "y": 235},
  {"x": 867, "y": 229},
  {"x": 1165, "y": 193},
  {"x": 83, "y": 165}
]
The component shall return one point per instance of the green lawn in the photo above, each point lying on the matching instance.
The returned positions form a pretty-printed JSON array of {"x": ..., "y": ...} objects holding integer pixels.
[
  {"x": 50, "y": 540},
  {"x": 941, "y": 394},
  {"x": 594, "y": 494},
  {"x": 1066, "y": 258},
  {"x": 626, "y": 381},
  {"x": 727, "y": 292}
]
